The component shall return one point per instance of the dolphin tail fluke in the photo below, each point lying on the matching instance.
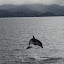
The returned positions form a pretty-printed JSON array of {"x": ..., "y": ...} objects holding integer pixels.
[{"x": 29, "y": 47}]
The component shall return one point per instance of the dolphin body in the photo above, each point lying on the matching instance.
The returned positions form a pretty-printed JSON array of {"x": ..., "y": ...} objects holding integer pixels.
[{"x": 35, "y": 42}]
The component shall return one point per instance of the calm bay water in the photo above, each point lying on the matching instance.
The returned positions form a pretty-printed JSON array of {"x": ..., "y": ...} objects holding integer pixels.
[{"x": 15, "y": 34}]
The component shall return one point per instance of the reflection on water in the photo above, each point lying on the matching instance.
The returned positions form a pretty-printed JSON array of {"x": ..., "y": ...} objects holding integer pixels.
[{"x": 16, "y": 32}]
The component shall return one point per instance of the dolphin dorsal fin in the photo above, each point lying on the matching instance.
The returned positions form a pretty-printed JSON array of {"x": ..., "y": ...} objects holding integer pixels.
[{"x": 33, "y": 37}]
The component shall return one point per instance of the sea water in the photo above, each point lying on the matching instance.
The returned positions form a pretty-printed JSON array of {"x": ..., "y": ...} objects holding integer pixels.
[{"x": 15, "y": 34}]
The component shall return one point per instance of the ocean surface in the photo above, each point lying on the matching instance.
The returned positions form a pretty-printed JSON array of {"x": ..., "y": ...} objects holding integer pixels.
[{"x": 15, "y": 34}]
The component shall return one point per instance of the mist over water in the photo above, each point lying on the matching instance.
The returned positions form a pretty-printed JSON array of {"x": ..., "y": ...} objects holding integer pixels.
[{"x": 15, "y": 34}]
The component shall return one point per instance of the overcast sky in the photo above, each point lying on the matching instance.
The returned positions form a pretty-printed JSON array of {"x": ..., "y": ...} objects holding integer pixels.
[{"x": 60, "y": 2}]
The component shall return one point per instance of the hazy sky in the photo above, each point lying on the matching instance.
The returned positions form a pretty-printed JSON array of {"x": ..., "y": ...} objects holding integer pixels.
[{"x": 60, "y": 2}]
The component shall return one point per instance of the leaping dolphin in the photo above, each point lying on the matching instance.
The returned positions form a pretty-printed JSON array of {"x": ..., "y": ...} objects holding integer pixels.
[{"x": 35, "y": 42}]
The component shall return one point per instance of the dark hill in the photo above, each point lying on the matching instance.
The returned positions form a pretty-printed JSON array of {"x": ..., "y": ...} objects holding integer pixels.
[{"x": 33, "y": 10}]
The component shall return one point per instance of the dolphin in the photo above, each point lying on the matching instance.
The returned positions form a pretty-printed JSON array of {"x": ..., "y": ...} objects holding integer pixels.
[{"x": 35, "y": 42}]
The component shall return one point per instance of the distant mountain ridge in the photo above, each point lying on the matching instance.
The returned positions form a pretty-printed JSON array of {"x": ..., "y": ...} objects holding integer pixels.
[{"x": 33, "y": 10}]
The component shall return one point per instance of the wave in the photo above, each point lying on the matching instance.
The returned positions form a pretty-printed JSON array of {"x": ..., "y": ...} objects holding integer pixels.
[{"x": 44, "y": 60}]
